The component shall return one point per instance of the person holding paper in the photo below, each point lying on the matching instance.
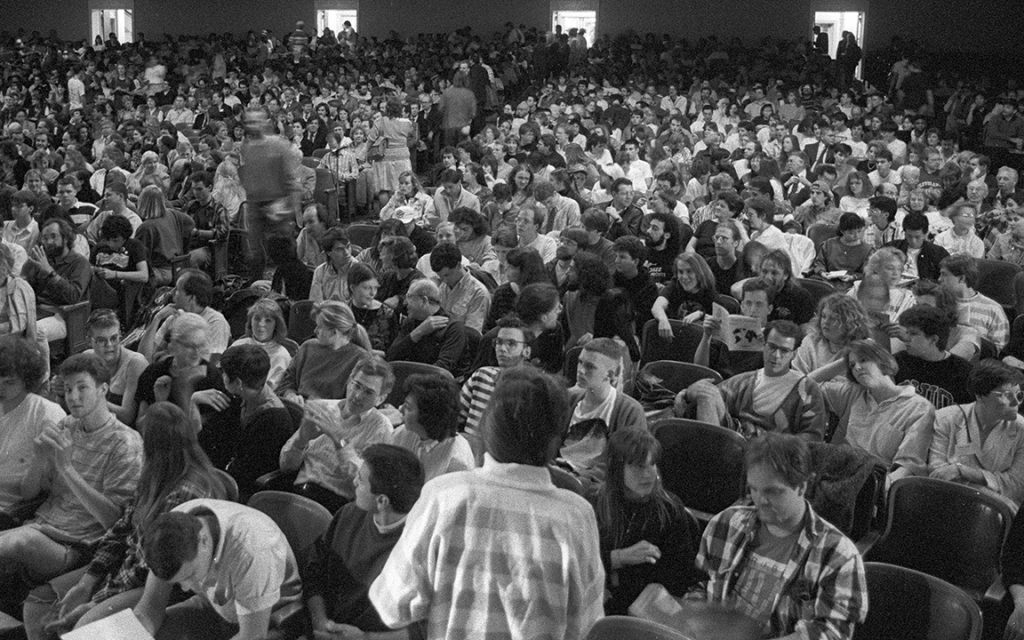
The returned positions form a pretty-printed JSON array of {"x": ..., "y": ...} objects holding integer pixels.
[
  {"x": 235, "y": 561},
  {"x": 842, "y": 259},
  {"x": 756, "y": 306},
  {"x": 775, "y": 398}
]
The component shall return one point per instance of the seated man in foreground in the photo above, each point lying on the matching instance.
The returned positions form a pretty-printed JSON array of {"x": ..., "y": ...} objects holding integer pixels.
[
  {"x": 235, "y": 561},
  {"x": 777, "y": 561},
  {"x": 351, "y": 554}
]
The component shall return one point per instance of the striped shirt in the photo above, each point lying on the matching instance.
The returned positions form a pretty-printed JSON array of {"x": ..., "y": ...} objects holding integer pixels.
[
  {"x": 110, "y": 461},
  {"x": 475, "y": 396},
  {"x": 988, "y": 316},
  {"x": 495, "y": 553}
]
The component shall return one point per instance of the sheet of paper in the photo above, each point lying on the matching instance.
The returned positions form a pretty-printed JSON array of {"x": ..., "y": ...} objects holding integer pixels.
[{"x": 120, "y": 626}]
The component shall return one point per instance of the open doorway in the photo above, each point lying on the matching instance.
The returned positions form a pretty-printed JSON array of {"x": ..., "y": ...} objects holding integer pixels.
[
  {"x": 834, "y": 23},
  {"x": 334, "y": 19},
  {"x": 112, "y": 21},
  {"x": 569, "y": 20}
]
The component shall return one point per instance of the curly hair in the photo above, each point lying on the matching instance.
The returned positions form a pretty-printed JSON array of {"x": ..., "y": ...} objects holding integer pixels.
[{"x": 848, "y": 312}]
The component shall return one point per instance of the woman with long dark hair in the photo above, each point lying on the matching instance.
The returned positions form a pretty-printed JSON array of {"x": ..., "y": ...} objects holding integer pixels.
[
  {"x": 175, "y": 471},
  {"x": 646, "y": 535}
]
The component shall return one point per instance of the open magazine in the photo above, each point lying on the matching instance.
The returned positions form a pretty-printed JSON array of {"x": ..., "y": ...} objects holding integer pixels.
[{"x": 738, "y": 332}]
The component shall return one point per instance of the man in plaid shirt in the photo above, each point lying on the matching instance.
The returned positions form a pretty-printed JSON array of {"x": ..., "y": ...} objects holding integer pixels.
[
  {"x": 499, "y": 552},
  {"x": 777, "y": 561}
]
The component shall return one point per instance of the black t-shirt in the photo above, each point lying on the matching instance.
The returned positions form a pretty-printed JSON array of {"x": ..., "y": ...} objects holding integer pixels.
[
  {"x": 659, "y": 265},
  {"x": 950, "y": 374},
  {"x": 793, "y": 303},
  {"x": 130, "y": 254},
  {"x": 705, "y": 234},
  {"x": 682, "y": 302},
  {"x": 725, "y": 278}
]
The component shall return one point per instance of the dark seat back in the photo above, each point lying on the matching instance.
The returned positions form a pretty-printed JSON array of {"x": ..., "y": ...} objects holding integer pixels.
[
  {"x": 817, "y": 288},
  {"x": 702, "y": 463},
  {"x": 909, "y": 605},
  {"x": 682, "y": 346},
  {"x": 945, "y": 529}
]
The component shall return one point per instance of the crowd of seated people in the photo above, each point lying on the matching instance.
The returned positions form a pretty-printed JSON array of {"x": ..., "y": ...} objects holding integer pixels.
[{"x": 547, "y": 216}]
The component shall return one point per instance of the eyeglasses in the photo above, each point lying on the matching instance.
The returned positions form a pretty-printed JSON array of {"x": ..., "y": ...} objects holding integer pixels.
[
  {"x": 778, "y": 349},
  {"x": 1013, "y": 397},
  {"x": 427, "y": 299},
  {"x": 191, "y": 346},
  {"x": 507, "y": 343}
]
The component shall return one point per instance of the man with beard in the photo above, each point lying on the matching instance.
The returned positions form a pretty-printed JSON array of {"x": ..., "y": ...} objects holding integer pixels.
[
  {"x": 570, "y": 242},
  {"x": 57, "y": 275},
  {"x": 663, "y": 241}
]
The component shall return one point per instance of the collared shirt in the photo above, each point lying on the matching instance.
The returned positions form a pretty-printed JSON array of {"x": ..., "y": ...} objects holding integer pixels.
[
  {"x": 443, "y": 205},
  {"x": 988, "y": 316},
  {"x": 825, "y": 591},
  {"x": 438, "y": 457},
  {"x": 253, "y": 565},
  {"x": 24, "y": 237},
  {"x": 516, "y": 557},
  {"x": 331, "y": 284},
  {"x": 325, "y": 463},
  {"x": 1000, "y": 456},
  {"x": 968, "y": 243},
  {"x": 468, "y": 301}
]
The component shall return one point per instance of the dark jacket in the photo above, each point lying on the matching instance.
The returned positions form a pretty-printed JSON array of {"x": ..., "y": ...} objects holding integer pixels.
[{"x": 928, "y": 260}]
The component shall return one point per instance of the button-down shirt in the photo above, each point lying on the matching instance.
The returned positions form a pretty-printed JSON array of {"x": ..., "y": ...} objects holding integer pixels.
[
  {"x": 1000, "y": 456},
  {"x": 468, "y": 301},
  {"x": 330, "y": 284},
  {"x": 824, "y": 590},
  {"x": 443, "y": 205},
  {"x": 495, "y": 553}
]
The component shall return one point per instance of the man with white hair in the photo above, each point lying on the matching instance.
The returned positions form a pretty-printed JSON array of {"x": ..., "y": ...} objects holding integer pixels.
[{"x": 428, "y": 334}]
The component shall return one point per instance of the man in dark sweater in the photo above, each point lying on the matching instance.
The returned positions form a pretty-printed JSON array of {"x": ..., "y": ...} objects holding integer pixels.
[
  {"x": 428, "y": 334},
  {"x": 633, "y": 278},
  {"x": 252, "y": 443},
  {"x": 347, "y": 559},
  {"x": 926, "y": 360}
]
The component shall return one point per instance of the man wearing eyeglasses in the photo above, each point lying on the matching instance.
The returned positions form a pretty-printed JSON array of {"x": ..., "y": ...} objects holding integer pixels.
[
  {"x": 428, "y": 334},
  {"x": 774, "y": 398},
  {"x": 982, "y": 443},
  {"x": 512, "y": 348}
]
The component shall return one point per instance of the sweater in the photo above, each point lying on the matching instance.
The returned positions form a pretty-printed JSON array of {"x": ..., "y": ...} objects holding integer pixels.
[
  {"x": 317, "y": 371},
  {"x": 343, "y": 564}
]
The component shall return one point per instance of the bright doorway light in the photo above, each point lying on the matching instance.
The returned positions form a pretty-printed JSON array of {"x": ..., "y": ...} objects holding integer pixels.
[
  {"x": 334, "y": 19},
  {"x": 575, "y": 20},
  {"x": 834, "y": 23},
  {"x": 116, "y": 21}
]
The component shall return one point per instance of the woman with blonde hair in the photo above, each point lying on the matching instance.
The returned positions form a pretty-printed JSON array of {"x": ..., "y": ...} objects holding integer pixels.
[
  {"x": 163, "y": 232},
  {"x": 321, "y": 366},
  {"x": 266, "y": 327},
  {"x": 228, "y": 191},
  {"x": 150, "y": 172},
  {"x": 839, "y": 321},
  {"x": 887, "y": 263}
]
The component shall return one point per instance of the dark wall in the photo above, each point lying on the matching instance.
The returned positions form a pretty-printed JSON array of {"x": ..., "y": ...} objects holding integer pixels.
[
  {"x": 992, "y": 25},
  {"x": 235, "y": 16}
]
